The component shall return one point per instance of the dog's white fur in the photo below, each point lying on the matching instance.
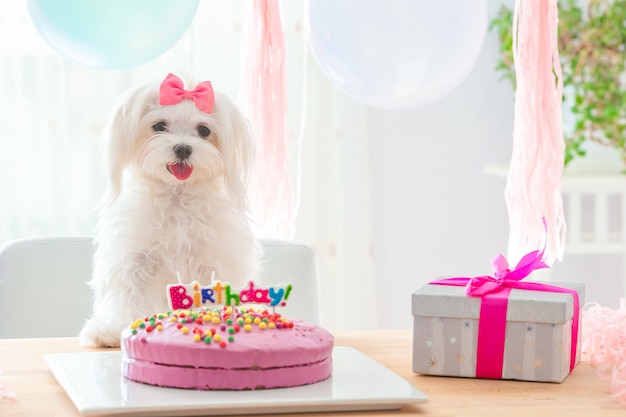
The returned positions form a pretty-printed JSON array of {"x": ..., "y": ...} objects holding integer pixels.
[{"x": 153, "y": 225}]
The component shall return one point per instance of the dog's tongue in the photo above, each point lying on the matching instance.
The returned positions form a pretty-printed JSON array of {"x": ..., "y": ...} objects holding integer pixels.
[{"x": 181, "y": 171}]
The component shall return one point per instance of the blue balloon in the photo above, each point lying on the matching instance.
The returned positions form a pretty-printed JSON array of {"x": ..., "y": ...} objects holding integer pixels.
[{"x": 111, "y": 34}]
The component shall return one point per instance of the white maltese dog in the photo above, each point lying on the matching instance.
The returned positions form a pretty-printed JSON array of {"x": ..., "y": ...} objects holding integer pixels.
[{"x": 178, "y": 164}]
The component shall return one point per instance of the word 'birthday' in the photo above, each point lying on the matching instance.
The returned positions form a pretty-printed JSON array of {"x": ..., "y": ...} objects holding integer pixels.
[{"x": 185, "y": 296}]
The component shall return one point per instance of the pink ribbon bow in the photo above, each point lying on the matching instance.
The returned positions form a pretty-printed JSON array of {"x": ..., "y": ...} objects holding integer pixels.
[
  {"x": 494, "y": 292},
  {"x": 504, "y": 277},
  {"x": 172, "y": 91}
]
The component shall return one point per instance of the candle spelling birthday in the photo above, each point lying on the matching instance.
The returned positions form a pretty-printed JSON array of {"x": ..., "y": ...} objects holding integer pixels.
[{"x": 185, "y": 296}]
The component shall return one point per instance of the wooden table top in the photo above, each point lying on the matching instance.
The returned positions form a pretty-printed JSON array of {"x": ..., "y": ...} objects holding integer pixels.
[{"x": 583, "y": 393}]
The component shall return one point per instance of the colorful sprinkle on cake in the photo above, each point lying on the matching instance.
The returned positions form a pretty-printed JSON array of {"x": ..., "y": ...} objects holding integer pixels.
[{"x": 207, "y": 325}]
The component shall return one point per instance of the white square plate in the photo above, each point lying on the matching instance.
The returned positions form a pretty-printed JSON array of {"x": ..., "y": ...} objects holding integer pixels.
[{"x": 94, "y": 383}]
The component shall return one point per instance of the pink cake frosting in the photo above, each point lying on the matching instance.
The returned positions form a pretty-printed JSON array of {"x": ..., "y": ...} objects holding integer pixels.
[{"x": 226, "y": 348}]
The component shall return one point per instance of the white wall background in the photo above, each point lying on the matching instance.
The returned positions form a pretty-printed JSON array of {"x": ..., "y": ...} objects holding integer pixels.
[
  {"x": 436, "y": 212},
  {"x": 433, "y": 210}
]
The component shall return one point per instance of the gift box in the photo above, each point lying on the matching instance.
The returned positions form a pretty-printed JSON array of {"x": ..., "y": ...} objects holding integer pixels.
[{"x": 527, "y": 334}]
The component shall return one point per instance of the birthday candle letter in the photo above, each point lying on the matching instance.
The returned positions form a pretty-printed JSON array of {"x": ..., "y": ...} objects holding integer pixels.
[
  {"x": 207, "y": 294},
  {"x": 276, "y": 296},
  {"x": 179, "y": 297}
]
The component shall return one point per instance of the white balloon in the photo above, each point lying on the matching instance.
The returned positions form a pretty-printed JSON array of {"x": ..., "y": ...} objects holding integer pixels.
[{"x": 396, "y": 54}]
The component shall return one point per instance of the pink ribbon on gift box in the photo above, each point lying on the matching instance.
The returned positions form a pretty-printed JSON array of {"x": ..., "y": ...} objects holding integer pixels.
[{"x": 494, "y": 292}]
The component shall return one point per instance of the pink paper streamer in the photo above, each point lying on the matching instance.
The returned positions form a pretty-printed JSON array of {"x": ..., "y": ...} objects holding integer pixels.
[
  {"x": 264, "y": 91},
  {"x": 533, "y": 189},
  {"x": 4, "y": 391},
  {"x": 604, "y": 344}
]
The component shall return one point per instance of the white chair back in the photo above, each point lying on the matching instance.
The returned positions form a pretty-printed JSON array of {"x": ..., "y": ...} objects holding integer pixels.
[
  {"x": 287, "y": 262},
  {"x": 44, "y": 291}
]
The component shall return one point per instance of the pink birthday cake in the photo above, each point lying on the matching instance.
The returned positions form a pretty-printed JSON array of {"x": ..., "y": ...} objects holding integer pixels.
[{"x": 225, "y": 348}]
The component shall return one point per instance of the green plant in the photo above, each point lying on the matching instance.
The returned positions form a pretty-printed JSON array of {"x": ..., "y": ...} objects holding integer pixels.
[{"x": 592, "y": 50}]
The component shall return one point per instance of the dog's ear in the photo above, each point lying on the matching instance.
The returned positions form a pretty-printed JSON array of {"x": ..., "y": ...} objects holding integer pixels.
[
  {"x": 239, "y": 150},
  {"x": 120, "y": 141}
]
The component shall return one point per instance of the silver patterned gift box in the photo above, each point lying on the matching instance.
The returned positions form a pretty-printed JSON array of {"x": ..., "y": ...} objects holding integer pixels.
[{"x": 537, "y": 345}]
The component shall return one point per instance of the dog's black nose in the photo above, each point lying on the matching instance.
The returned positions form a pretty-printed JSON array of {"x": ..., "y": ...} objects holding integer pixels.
[{"x": 182, "y": 151}]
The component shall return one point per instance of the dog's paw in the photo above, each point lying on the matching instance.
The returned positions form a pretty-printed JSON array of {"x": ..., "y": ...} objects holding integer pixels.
[{"x": 98, "y": 334}]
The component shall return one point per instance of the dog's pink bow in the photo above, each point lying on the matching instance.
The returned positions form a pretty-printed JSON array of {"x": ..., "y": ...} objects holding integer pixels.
[{"x": 172, "y": 91}]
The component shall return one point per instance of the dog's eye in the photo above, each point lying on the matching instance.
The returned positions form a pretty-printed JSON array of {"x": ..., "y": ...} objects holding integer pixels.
[
  {"x": 159, "y": 127},
  {"x": 203, "y": 131}
]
